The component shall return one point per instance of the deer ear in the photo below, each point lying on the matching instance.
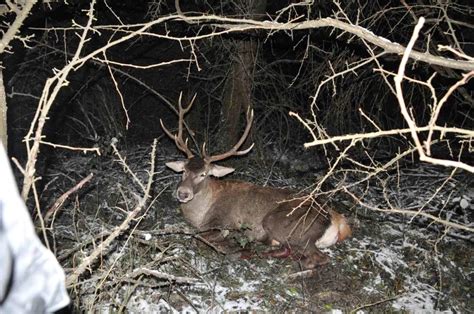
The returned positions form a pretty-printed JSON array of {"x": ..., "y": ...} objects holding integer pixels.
[
  {"x": 177, "y": 166},
  {"x": 220, "y": 171}
]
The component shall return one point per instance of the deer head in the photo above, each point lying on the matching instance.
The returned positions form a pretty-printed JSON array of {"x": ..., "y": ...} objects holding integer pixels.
[
  {"x": 196, "y": 170},
  {"x": 214, "y": 205}
]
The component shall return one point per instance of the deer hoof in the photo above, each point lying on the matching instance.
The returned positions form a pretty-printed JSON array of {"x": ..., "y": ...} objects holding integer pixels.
[
  {"x": 283, "y": 252},
  {"x": 314, "y": 260}
]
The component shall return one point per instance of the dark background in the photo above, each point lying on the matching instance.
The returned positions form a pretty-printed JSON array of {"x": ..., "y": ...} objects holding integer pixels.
[{"x": 288, "y": 66}]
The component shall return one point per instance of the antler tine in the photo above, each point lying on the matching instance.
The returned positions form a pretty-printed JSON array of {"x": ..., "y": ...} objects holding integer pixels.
[
  {"x": 166, "y": 130},
  {"x": 204, "y": 152},
  {"x": 178, "y": 138},
  {"x": 185, "y": 110},
  {"x": 234, "y": 150}
]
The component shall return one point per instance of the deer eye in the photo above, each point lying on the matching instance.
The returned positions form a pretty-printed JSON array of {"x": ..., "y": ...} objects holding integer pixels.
[{"x": 203, "y": 175}]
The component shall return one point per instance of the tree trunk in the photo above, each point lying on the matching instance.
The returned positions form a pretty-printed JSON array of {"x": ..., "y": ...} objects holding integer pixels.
[{"x": 238, "y": 88}]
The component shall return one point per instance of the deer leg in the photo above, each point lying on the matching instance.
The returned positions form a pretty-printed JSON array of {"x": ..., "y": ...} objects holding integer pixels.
[
  {"x": 213, "y": 236},
  {"x": 216, "y": 240},
  {"x": 314, "y": 259},
  {"x": 247, "y": 254},
  {"x": 282, "y": 252}
]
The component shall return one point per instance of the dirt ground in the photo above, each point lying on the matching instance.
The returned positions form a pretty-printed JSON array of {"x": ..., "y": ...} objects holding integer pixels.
[{"x": 160, "y": 263}]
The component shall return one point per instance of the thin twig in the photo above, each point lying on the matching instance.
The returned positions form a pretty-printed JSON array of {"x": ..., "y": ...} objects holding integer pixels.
[{"x": 60, "y": 201}]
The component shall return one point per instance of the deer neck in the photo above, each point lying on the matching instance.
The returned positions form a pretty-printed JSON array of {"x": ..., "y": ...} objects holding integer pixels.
[{"x": 198, "y": 208}]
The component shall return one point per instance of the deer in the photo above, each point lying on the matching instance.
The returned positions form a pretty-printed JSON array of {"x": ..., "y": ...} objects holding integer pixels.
[{"x": 273, "y": 216}]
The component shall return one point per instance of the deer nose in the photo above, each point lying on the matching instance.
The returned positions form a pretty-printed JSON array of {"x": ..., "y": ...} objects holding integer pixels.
[{"x": 184, "y": 195}]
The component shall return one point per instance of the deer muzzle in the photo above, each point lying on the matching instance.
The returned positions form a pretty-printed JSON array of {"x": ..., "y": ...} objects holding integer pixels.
[{"x": 184, "y": 194}]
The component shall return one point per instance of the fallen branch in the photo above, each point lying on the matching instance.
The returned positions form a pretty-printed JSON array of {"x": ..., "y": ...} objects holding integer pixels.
[
  {"x": 60, "y": 201},
  {"x": 74, "y": 276},
  {"x": 409, "y": 213},
  {"x": 161, "y": 275}
]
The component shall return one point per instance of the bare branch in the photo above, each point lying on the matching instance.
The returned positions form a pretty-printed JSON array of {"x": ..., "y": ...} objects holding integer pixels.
[{"x": 74, "y": 276}]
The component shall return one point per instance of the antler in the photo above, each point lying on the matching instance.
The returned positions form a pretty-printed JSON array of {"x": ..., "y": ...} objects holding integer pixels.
[
  {"x": 178, "y": 138},
  {"x": 234, "y": 150}
]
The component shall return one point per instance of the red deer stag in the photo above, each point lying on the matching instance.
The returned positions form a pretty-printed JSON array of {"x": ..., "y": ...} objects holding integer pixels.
[{"x": 210, "y": 204}]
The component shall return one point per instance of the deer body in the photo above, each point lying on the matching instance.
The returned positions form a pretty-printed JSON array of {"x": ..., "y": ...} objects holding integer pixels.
[
  {"x": 305, "y": 229},
  {"x": 223, "y": 204},
  {"x": 266, "y": 214}
]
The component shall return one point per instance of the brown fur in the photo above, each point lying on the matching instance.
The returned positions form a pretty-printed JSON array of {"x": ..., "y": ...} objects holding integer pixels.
[
  {"x": 262, "y": 213},
  {"x": 300, "y": 230},
  {"x": 216, "y": 205}
]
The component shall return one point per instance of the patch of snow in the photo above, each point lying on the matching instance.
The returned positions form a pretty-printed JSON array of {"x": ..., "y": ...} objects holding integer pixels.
[
  {"x": 143, "y": 306},
  {"x": 385, "y": 256},
  {"x": 419, "y": 298},
  {"x": 409, "y": 243},
  {"x": 373, "y": 287},
  {"x": 242, "y": 305},
  {"x": 329, "y": 252},
  {"x": 248, "y": 301},
  {"x": 393, "y": 230}
]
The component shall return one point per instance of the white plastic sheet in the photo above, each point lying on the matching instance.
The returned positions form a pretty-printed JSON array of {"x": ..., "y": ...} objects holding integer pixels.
[{"x": 36, "y": 282}]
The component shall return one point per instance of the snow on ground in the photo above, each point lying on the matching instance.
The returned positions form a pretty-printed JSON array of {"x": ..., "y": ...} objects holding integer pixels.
[{"x": 390, "y": 261}]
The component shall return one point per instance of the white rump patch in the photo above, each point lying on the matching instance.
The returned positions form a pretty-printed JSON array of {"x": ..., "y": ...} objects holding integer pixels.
[{"x": 329, "y": 237}]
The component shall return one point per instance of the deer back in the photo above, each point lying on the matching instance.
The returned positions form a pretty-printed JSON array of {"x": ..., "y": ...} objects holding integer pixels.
[{"x": 228, "y": 204}]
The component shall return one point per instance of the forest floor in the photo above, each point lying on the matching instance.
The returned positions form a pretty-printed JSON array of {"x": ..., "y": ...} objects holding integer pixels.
[{"x": 161, "y": 264}]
